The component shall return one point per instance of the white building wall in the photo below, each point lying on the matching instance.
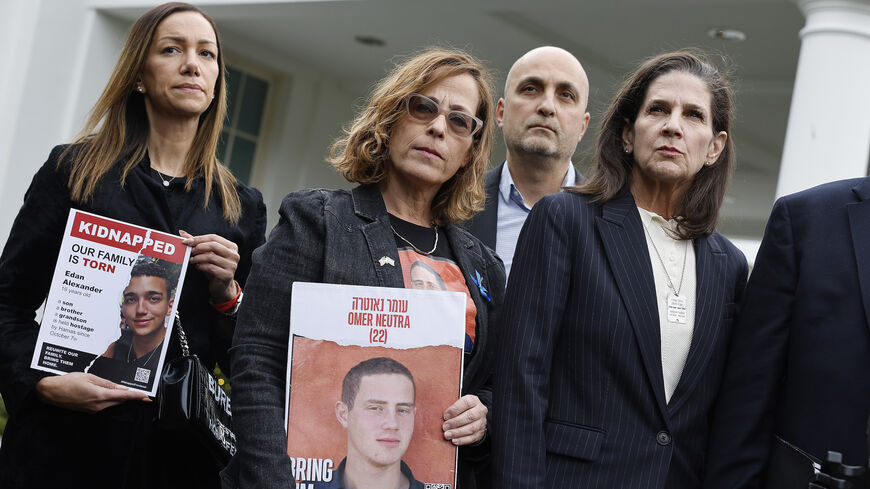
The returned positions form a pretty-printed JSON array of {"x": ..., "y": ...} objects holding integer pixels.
[
  {"x": 17, "y": 30},
  {"x": 29, "y": 83},
  {"x": 306, "y": 112},
  {"x": 53, "y": 69}
]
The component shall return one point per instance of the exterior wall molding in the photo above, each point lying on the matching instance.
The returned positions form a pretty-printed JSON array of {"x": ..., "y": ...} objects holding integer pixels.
[{"x": 851, "y": 17}]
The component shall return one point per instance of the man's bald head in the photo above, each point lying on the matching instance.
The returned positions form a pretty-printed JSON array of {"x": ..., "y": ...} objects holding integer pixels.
[
  {"x": 543, "y": 112},
  {"x": 555, "y": 56}
]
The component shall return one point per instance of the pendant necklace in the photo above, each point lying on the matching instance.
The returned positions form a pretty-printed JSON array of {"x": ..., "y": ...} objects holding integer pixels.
[
  {"x": 677, "y": 304},
  {"x": 165, "y": 181}
]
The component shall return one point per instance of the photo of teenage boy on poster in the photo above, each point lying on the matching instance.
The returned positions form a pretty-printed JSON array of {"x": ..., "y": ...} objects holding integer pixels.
[
  {"x": 377, "y": 410},
  {"x": 146, "y": 304},
  {"x": 335, "y": 386}
]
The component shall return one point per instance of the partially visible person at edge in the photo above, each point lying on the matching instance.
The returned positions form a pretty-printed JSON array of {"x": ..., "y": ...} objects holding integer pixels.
[
  {"x": 543, "y": 117},
  {"x": 622, "y": 298},
  {"x": 146, "y": 156},
  {"x": 418, "y": 149},
  {"x": 798, "y": 375}
]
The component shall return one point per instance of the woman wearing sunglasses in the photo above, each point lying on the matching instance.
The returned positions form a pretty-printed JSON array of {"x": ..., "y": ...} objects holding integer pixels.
[{"x": 418, "y": 150}]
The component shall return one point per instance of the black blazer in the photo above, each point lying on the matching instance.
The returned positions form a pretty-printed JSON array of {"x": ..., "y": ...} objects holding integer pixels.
[
  {"x": 579, "y": 393},
  {"x": 800, "y": 363},
  {"x": 484, "y": 225}
]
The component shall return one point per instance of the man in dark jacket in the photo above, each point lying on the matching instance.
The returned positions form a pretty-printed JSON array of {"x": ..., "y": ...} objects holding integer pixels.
[
  {"x": 798, "y": 369},
  {"x": 543, "y": 118}
]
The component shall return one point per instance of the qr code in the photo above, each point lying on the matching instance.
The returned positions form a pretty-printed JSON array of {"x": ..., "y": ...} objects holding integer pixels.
[
  {"x": 437, "y": 486},
  {"x": 142, "y": 374}
]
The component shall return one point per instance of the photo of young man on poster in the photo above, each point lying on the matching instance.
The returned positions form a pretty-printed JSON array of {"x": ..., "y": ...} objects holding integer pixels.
[
  {"x": 377, "y": 409},
  {"x": 146, "y": 303},
  {"x": 424, "y": 277}
]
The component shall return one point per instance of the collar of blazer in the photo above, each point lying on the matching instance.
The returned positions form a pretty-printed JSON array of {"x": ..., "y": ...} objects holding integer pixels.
[
  {"x": 862, "y": 189},
  {"x": 859, "y": 224}
]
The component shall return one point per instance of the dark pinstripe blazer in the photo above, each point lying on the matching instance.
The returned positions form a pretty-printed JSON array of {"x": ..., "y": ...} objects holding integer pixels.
[{"x": 579, "y": 395}]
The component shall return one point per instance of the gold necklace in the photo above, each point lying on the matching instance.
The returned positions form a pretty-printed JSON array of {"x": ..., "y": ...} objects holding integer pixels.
[{"x": 434, "y": 226}]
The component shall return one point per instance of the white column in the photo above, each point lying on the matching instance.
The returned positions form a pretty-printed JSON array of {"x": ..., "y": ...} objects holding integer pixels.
[
  {"x": 828, "y": 135},
  {"x": 17, "y": 31}
]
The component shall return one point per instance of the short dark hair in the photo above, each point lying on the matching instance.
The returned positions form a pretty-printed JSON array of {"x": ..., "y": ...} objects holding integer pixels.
[
  {"x": 152, "y": 267},
  {"x": 611, "y": 169},
  {"x": 425, "y": 266},
  {"x": 372, "y": 366}
]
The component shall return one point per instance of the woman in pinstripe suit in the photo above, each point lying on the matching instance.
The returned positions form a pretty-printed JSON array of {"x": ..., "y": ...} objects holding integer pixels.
[{"x": 621, "y": 301}]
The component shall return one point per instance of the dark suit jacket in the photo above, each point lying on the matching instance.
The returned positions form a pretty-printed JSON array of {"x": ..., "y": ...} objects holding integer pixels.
[
  {"x": 579, "y": 393},
  {"x": 799, "y": 365},
  {"x": 484, "y": 225}
]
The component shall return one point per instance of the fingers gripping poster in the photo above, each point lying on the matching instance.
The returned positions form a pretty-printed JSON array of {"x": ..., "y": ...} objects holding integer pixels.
[
  {"x": 113, "y": 298},
  {"x": 371, "y": 371}
]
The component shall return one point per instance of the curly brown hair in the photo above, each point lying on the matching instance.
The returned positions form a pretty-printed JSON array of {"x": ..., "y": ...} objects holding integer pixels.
[{"x": 361, "y": 154}]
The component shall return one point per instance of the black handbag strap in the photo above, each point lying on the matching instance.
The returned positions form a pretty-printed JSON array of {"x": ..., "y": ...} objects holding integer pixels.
[{"x": 182, "y": 338}]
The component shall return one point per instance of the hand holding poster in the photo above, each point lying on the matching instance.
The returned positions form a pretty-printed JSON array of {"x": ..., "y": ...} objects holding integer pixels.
[
  {"x": 372, "y": 370},
  {"x": 112, "y": 301}
]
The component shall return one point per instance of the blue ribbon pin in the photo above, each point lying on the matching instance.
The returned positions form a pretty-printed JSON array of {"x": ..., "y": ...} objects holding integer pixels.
[{"x": 478, "y": 281}]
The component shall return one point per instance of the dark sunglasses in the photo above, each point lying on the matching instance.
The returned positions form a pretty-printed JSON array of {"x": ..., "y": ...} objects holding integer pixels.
[{"x": 424, "y": 109}]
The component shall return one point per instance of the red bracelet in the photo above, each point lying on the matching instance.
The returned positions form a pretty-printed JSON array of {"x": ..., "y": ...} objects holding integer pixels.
[{"x": 226, "y": 306}]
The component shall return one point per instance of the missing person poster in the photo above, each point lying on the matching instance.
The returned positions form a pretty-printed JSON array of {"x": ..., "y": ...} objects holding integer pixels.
[
  {"x": 112, "y": 301},
  {"x": 370, "y": 372}
]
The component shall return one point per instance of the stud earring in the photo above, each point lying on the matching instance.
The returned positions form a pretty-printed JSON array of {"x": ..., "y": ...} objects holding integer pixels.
[
  {"x": 626, "y": 150},
  {"x": 708, "y": 163},
  {"x": 140, "y": 89}
]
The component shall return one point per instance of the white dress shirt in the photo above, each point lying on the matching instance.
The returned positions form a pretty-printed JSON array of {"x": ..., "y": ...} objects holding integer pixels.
[{"x": 512, "y": 213}]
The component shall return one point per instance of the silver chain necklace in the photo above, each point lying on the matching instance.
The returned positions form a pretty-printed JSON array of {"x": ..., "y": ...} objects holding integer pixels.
[
  {"x": 160, "y": 175},
  {"x": 677, "y": 305},
  {"x": 131, "y": 351},
  {"x": 665, "y": 268},
  {"x": 434, "y": 226}
]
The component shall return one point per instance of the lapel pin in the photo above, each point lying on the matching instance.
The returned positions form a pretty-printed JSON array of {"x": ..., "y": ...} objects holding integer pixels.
[
  {"x": 386, "y": 260},
  {"x": 478, "y": 281}
]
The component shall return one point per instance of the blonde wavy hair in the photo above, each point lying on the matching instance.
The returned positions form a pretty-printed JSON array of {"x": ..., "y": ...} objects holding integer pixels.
[{"x": 361, "y": 154}]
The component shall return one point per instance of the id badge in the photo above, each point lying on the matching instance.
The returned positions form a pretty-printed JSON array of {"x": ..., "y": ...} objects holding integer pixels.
[{"x": 677, "y": 308}]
